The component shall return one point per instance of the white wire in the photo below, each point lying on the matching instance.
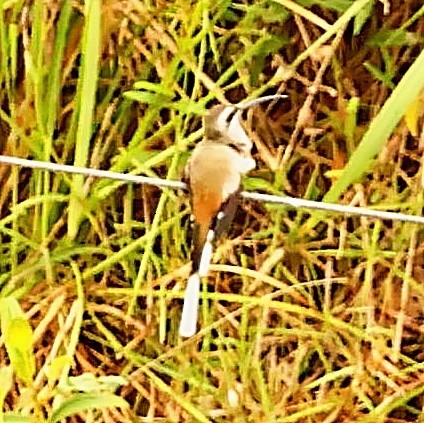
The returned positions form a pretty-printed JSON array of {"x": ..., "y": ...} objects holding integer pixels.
[
  {"x": 97, "y": 173},
  {"x": 334, "y": 208},
  {"x": 165, "y": 183}
]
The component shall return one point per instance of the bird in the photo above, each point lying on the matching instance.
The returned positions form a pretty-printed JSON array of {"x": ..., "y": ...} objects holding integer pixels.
[{"x": 213, "y": 174}]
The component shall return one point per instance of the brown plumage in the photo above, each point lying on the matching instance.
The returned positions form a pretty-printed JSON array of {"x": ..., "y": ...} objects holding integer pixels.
[{"x": 211, "y": 189}]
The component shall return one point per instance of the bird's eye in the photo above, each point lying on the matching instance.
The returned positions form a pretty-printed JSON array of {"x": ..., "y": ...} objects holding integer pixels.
[{"x": 236, "y": 147}]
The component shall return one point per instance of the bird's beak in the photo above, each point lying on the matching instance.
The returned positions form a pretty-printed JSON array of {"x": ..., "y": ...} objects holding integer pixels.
[{"x": 251, "y": 103}]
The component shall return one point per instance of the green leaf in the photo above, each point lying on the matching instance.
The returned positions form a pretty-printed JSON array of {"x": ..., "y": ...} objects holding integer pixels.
[
  {"x": 162, "y": 100},
  {"x": 362, "y": 17},
  {"x": 56, "y": 367},
  {"x": 79, "y": 403},
  {"x": 393, "y": 37},
  {"x": 15, "y": 418},
  {"x": 18, "y": 338},
  {"x": 112, "y": 381},
  {"x": 9, "y": 309},
  {"x": 188, "y": 107},
  {"x": 337, "y": 5},
  {"x": 147, "y": 97},
  {"x": 378, "y": 74},
  {"x": 88, "y": 382},
  {"x": 269, "y": 46},
  {"x": 258, "y": 184},
  {"x": 351, "y": 122},
  {"x": 155, "y": 88},
  {"x": 266, "y": 12},
  {"x": 20, "y": 334},
  {"x": 86, "y": 104},
  {"x": 275, "y": 13},
  {"x": 412, "y": 116}
]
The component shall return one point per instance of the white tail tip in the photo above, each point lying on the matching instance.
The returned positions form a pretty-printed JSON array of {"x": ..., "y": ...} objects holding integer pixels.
[
  {"x": 191, "y": 304},
  {"x": 205, "y": 259}
]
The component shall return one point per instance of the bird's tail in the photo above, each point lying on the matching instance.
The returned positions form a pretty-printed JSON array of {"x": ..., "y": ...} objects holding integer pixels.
[
  {"x": 200, "y": 232},
  {"x": 191, "y": 297},
  {"x": 204, "y": 238},
  {"x": 190, "y": 308}
]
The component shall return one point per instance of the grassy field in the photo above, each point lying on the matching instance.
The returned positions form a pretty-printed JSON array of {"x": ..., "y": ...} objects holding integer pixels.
[{"x": 306, "y": 316}]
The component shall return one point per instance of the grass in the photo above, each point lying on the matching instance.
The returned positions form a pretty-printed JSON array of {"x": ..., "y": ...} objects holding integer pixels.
[{"x": 305, "y": 316}]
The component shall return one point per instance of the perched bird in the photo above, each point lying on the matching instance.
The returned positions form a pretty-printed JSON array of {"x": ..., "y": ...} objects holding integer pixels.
[{"x": 213, "y": 174}]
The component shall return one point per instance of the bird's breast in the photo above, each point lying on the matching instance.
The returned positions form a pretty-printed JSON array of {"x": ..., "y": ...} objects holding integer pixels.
[{"x": 214, "y": 176}]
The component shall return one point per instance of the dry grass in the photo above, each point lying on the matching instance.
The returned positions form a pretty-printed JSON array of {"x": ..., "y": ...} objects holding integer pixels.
[{"x": 305, "y": 317}]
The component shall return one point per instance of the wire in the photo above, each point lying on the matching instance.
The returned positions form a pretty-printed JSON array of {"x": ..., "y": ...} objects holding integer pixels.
[
  {"x": 165, "y": 183},
  {"x": 335, "y": 208},
  {"x": 97, "y": 173}
]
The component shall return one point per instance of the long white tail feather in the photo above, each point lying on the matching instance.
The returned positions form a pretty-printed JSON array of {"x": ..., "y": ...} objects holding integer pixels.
[
  {"x": 205, "y": 259},
  {"x": 190, "y": 308}
]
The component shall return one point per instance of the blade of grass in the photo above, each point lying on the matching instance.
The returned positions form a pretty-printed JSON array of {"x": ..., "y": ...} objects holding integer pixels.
[
  {"x": 76, "y": 328},
  {"x": 54, "y": 77},
  {"x": 391, "y": 403},
  {"x": 86, "y": 401},
  {"x": 50, "y": 106},
  {"x": 86, "y": 97}
]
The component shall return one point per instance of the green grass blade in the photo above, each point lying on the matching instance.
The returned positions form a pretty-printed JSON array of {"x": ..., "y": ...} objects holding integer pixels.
[
  {"x": 18, "y": 338},
  {"x": 83, "y": 402},
  {"x": 86, "y": 103},
  {"x": 16, "y": 418},
  {"x": 54, "y": 77}
]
